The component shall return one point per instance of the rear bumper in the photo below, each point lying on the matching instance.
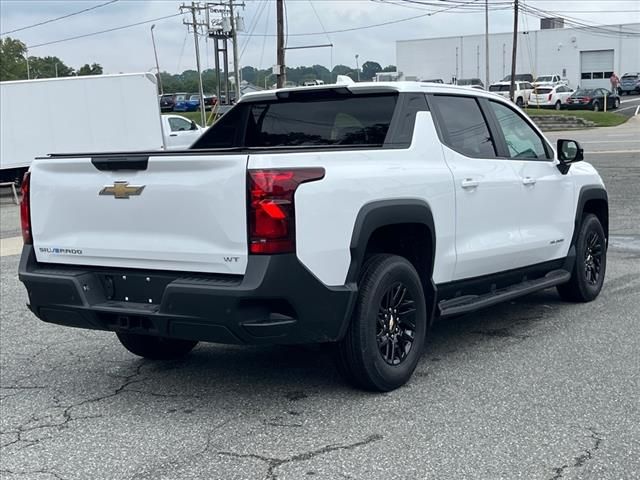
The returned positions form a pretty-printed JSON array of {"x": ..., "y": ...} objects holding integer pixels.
[{"x": 277, "y": 301}]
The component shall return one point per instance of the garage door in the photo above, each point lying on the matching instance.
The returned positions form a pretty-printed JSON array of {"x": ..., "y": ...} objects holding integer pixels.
[{"x": 596, "y": 67}]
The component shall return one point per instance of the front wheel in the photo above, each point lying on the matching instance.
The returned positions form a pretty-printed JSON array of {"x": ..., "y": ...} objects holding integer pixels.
[
  {"x": 155, "y": 348},
  {"x": 558, "y": 105},
  {"x": 588, "y": 272},
  {"x": 386, "y": 336},
  {"x": 596, "y": 107},
  {"x": 616, "y": 103}
]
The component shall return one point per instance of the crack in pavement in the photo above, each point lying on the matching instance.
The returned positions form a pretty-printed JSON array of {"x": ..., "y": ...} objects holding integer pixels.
[
  {"x": 273, "y": 463},
  {"x": 32, "y": 472},
  {"x": 182, "y": 459},
  {"x": 583, "y": 458},
  {"x": 66, "y": 413}
]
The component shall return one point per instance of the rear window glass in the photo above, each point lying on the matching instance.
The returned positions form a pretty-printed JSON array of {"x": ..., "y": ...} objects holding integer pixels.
[
  {"x": 585, "y": 93},
  {"x": 544, "y": 90},
  {"x": 501, "y": 88},
  {"x": 329, "y": 120}
]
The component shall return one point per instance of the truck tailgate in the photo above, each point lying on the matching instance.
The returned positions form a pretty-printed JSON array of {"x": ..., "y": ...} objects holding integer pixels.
[{"x": 182, "y": 212}]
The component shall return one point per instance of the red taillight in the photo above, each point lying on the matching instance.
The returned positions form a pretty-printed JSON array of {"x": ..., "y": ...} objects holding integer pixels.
[
  {"x": 549, "y": 97},
  {"x": 586, "y": 99},
  {"x": 271, "y": 207},
  {"x": 25, "y": 210}
]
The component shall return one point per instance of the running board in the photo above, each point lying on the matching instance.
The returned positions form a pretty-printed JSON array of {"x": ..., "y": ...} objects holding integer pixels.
[{"x": 469, "y": 303}]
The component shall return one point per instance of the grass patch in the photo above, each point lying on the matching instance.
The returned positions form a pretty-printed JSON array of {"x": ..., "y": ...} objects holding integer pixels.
[{"x": 601, "y": 119}]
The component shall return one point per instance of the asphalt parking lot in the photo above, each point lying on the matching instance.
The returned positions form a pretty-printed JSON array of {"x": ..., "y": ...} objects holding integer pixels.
[{"x": 533, "y": 389}]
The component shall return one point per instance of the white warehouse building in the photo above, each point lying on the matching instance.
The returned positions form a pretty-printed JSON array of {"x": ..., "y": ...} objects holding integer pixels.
[{"x": 584, "y": 57}]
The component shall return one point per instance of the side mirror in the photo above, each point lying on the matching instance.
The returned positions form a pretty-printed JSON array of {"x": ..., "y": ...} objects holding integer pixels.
[
  {"x": 193, "y": 125},
  {"x": 569, "y": 151}
]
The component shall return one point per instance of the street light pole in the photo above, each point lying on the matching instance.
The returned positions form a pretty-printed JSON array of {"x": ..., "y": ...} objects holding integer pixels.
[
  {"x": 357, "y": 66},
  {"x": 155, "y": 53},
  {"x": 27, "y": 59}
]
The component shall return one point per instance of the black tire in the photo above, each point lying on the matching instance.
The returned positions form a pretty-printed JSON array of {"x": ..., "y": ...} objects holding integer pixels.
[
  {"x": 588, "y": 272},
  {"x": 558, "y": 105},
  {"x": 520, "y": 102},
  {"x": 155, "y": 348},
  {"x": 596, "y": 107},
  {"x": 616, "y": 103},
  {"x": 382, "y": 346}
]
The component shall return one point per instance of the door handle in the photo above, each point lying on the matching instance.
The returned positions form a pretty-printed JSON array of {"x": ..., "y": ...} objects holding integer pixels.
[
  {"x": 469, "y": 183},
  {"x": 173, "y": 134},
  {"x": 528, "y": 181}
]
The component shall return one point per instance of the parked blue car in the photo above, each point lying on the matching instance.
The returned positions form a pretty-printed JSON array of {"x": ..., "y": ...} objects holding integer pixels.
[{"x": 186, "y": 103}]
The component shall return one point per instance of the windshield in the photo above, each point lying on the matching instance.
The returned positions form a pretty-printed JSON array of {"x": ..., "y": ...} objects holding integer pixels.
[
  {"x": 630, "y": 77},
  {"x": 547, "y": 78},
  {"x": 584, "y": 93}
]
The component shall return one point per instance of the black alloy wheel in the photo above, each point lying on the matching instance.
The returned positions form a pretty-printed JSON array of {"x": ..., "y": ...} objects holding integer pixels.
[
  {"x": 396, "y": 328},
  {"x": 596, "y": 107},
  {"x": 587, "y": 275},
  {"x": 593, "y": 257},
  {"x": 386, "y": 336}
]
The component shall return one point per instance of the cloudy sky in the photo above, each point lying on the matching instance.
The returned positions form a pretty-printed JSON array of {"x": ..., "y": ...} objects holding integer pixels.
[{"x": 130, "y": 49}]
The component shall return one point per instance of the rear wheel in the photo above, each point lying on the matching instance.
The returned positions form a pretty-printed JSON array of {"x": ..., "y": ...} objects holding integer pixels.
[
  {"x": 616, "y": 103},
  {"x": 520, "y": 102},
  {"x": 386, "y": 336},
  {"x": 558, "y": 105},
  {"x": 588, "y": 272},
  {"x": 155, "y": 348}
]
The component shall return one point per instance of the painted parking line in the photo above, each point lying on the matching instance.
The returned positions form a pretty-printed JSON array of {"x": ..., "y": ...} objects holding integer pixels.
[
  {"x": 606, "y": 152},
  {"x": 10, "y": 246},
  {"x": 611, "y": 141}
]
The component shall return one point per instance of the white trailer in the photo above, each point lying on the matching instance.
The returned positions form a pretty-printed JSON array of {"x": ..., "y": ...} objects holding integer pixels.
[{"x": 96, "y": 113}]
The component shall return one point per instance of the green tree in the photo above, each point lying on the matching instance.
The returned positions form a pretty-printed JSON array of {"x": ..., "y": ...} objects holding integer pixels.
[
  {"x": 390, "y": 68},
  {"x": 344, "y": 70},
  {"x": 369, "y": 70},
  {"x": 93, "y": 69},
  {"x": 47, "y": 67},
  {"x": 13, "y": 64}
]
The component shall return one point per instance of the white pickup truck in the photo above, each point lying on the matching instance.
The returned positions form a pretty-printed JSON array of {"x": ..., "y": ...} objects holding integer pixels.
[{"x": 350, "y": 213}]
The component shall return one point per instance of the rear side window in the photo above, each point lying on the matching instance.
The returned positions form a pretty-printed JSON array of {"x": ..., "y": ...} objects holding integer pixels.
[
  {"x": 344, "y": 120},
  {"x": 463, "y": 126}
]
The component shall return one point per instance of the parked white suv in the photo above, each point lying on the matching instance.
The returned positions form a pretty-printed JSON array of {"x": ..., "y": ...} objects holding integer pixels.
[
  {"x": 354, "y": 213},
  {"x": 549, "y": 96},
  {"x": 549, "y": 80},
  {"x": 521, "y": 94}
]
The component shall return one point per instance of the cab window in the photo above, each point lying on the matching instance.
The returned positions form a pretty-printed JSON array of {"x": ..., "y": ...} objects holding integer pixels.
[{"x": 523, "y": 142}]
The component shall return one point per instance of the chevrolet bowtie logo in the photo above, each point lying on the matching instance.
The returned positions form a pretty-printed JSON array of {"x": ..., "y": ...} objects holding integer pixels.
[{"x": 122, "y": 190}]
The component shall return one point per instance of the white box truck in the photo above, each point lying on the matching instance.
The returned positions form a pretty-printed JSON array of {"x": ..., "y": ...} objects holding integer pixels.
[{"x": 99, "y": 113}]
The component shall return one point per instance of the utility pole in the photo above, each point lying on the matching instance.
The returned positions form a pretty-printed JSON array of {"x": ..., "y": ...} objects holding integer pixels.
[
  {"x": 155, "y": 53},
  {"x": 282, "y": 71},
  {"x": 195, "y": 25},
  {"x": 486, "y": 42},
  {"x": 234, "y": 35},
  {"x": 357, "y": 67},
  {"x": 515, "y": 50},
  {"x": 26, "y": 57}
]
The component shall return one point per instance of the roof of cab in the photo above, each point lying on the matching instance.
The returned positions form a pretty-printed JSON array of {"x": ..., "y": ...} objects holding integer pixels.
[{"x": 372, "y": 87}]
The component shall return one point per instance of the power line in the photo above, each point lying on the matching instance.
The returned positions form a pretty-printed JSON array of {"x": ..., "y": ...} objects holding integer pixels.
[
  {"x": 60, "y": 18},
  {"x": 104, "y": 31}
]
